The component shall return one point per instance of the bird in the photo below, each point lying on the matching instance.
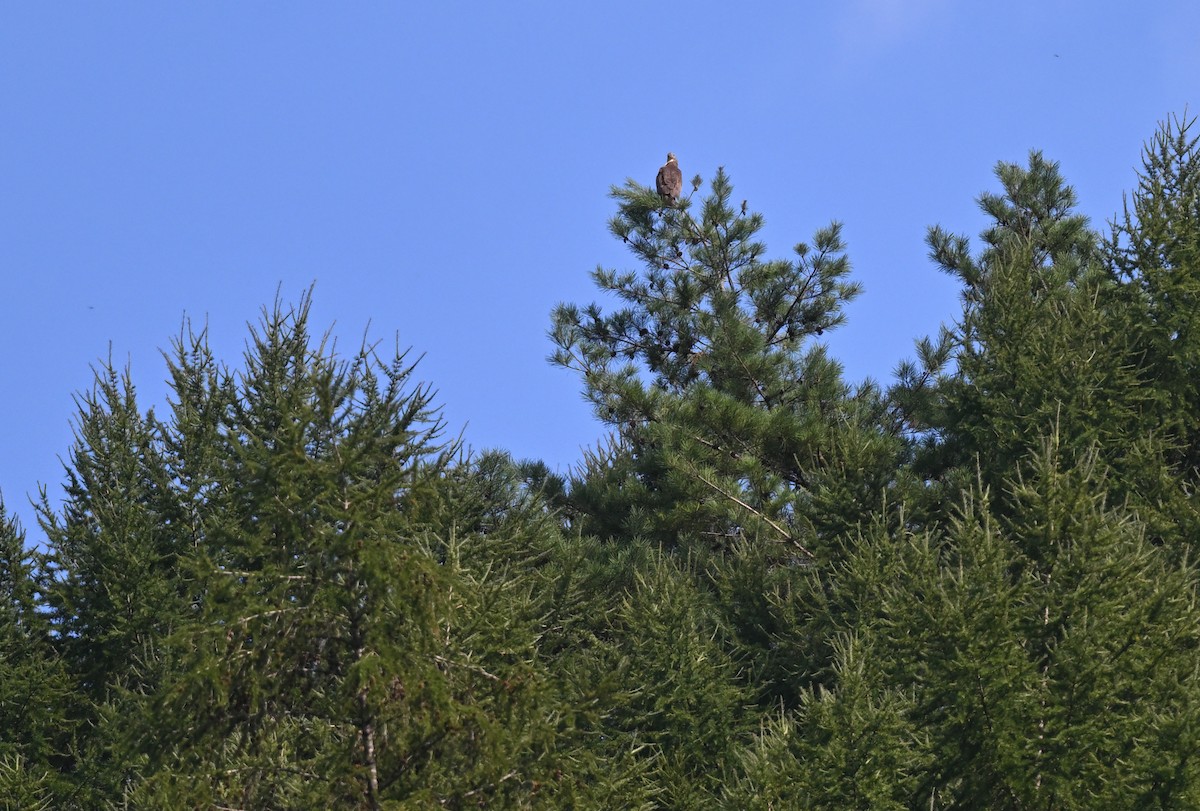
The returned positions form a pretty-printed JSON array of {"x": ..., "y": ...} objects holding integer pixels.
[{"x": 670, "y": 180}]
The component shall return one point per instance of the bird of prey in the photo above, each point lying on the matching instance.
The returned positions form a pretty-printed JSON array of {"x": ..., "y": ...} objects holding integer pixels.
[{"x": 670, "y": 180}]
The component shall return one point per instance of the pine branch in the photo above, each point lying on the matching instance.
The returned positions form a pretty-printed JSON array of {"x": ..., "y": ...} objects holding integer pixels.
[{"x": 787, "y": 536}]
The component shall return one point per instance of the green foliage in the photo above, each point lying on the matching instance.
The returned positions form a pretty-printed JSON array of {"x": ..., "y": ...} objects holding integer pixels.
[
  {"x": 24, "y": 788},
  {"x": 36, "y": 727},
  {"x": 318, "y": 600},
  {"x": 322, "y": 605},
  {"x": 731, "y": 420},
  {"x": 766, "y": 588},
  {"x": 1034, "y": 349},
  {"x": 1039, "y": 650},
  {"x": 112, "y": 588},
  {"x": 855, "y": 746},
  {"x": 1045, "y": 345},
  {"x": 1153, "y": 256},
  {"x": 1155, "y": 252},
  {"x": 681, "y": 699},
  {"x": 113, "y": 552}
]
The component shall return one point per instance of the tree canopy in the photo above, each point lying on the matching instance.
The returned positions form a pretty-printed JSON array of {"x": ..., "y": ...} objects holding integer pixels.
[{"x": 767, "y": 587}]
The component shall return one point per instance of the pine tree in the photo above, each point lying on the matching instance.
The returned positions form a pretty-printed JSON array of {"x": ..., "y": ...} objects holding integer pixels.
[
  {"x": 975, "y": 592},
  {"x": 348, "y": 613},
  {"x": 730, "y": 418},
  {"x": 1057, "y": 336}
]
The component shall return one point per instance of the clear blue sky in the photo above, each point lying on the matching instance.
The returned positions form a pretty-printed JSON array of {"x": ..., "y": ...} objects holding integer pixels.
[{"x": 440, "y": 170}]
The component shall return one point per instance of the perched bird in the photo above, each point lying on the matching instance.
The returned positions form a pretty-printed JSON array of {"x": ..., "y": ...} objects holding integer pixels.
[{"x": 670, "y": 180}]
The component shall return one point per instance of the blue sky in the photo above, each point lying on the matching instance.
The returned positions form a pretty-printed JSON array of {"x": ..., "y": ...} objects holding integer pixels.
[{"x": 440, "y": 171}]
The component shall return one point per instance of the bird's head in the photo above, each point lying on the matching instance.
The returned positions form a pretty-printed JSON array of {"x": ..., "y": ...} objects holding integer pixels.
[{"x": 671, "y": 158}]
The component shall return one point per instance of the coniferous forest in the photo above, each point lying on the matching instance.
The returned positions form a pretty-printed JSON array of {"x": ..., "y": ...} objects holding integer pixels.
[{"x": 973, "y": 586}]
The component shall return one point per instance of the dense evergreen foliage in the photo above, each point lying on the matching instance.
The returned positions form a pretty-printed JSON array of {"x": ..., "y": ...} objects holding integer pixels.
[{"x": 767, "y": 588}]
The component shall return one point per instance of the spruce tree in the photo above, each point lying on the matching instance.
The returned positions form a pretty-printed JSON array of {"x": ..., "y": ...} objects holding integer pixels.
[
  {"x": 36, "y": 691},
  {"x": 1006, "y": 641},
  {"x": 1153, "y": 256},
  {"x": 1043, "y": 346},
  {"x": 1045, "y": 659},
  {"x": 1050, "y": 653},
  {"x": 1154, "y": 251},
  {"x": 1057, "y": 336},
  {"x": 114, "y": 592},
  {"x": 852, "y": 746},
  {"x": 368, "y": 608},
  {"x": 111, "y": 551},
  {"x": 315, "y": 602}
]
